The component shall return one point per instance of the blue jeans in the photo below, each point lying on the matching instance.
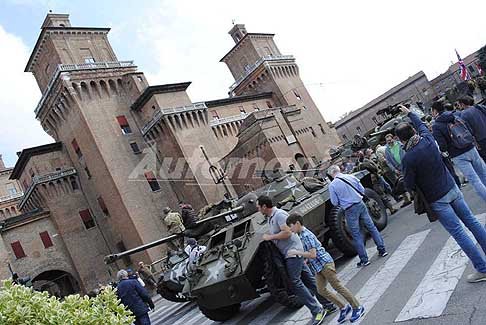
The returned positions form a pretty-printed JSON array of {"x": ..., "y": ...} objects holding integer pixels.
[
  {"x": 303, "y": 283},
  {"x": 355, "y": 214},
  {"x": 142, "y": 320},
  {"x": 449, "y": 209},
  {"x": 474, "y": 169}
]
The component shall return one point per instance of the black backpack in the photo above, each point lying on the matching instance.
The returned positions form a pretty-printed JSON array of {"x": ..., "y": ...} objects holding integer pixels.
[{"x": 460, "y": 135}]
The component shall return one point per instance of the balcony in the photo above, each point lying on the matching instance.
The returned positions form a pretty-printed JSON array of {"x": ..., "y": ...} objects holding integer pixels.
[
  {"x": 228, "y": 119},
  {"x": 44, "y": 179},
  {"x": 251, "y": 68},
  {"x": 11, "y": 197},
  {"x": 169, "y": 111},
  {"x": 78, "y": 67}
]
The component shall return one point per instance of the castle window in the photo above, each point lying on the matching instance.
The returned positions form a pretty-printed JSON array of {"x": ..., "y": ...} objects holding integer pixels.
[
  {"x": 312, "y": 131},
  {"x": 122, "y": 120},
  {"x": 74, "y": 184},
  {"x": 102, "y": 205},
  {"x": 12, "y": 191},
  {"x": 154, "y": 184},
  {"x": 46, "y": 239},
  {"x": 215, "y": 115},
  {"x": 256, "y": 108},
  {"x": 88, "y": 220},
  {"x": 78, "y": 152},
  {"x": 297, "y": 95},
  {"x": 269, "y": 104},
  {"x": 242, "y": 109},
  {"x": 89, "y": 60},
  {"x": 17, "y": 249},
  {"x": 88, "y": 173},
  {"x": 135, "y": 148},
  {"x": 322, "y": 129}
]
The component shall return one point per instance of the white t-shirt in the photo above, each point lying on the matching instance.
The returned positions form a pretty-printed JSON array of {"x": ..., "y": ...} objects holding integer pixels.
[{"x": 194, "y": 254}]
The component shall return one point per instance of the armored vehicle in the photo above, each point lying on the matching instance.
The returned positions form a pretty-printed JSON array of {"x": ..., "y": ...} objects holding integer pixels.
[
  {"x": 239, "y": 266},
  {"x": 393, "y": 116}
]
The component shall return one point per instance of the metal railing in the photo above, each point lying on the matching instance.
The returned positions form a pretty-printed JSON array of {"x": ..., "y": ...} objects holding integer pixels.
[
  {"x": 76, "y": 67},
  {"x": 36, "y": 180},
  {"x": 11, "y": 197},
  {"x": 228, "y": 119},
  {"x": 169, "y": 111},
  {"x": 255, "y": 65}
]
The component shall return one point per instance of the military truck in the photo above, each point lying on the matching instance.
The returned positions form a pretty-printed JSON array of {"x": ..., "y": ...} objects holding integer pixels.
[{"x": 239, "y": 266}]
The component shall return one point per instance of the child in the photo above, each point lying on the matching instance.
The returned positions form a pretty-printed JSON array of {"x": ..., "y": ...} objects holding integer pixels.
[{"x": 322, "y": 265}]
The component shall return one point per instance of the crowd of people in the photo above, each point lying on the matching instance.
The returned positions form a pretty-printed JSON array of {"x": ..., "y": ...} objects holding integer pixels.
[{"x": 419, "y": 161}]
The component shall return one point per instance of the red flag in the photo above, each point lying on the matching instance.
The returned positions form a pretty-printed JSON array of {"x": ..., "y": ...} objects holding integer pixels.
[{"x": 462, "y": 68}]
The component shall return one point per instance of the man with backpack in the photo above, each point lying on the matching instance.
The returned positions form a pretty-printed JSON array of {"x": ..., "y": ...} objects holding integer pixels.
[
  {"x": 475, "y": 117},
  {"x": 426, "y": 173},
  {"x": 454, "y": 137}
]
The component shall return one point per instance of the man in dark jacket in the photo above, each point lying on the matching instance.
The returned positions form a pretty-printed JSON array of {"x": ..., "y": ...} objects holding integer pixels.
[
  {"x": 134, "y": 297},
  {"x": 467, "y": 159},
  {"x": 475, "y": 117},
  {"x": 424, "y": 169}
]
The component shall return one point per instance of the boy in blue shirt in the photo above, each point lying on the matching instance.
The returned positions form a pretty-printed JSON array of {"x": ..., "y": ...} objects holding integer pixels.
[{"x": 322, "y": 265}]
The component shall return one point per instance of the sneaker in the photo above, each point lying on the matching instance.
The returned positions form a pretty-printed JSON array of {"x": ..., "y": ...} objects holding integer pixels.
[
  {"x": 363, "y": 263},
  {"x": 383, "y": 254},
  {"x": 357, "y": 314},
  {"x": 319, "y": 317},
  {"x": 344, "y": 314},
  {"x": 476, "y": 277},
  {"x": 330, "y": 309}
]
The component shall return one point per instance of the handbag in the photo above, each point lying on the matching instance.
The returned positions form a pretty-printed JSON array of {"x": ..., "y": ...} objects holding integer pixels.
[{"x": 421, "y": 205}]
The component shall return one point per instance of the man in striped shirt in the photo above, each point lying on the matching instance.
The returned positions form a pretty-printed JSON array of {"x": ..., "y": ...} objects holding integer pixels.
[{"x": 322, "y": 265}]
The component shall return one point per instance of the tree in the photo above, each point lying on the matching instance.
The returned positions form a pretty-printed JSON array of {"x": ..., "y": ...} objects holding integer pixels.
[
  {"x": 482, "y": 58},
  {"x": 22, "y": 305}
]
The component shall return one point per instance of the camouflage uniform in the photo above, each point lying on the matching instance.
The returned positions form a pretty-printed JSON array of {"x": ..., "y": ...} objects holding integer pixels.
[{"x": 173, "y": 222}]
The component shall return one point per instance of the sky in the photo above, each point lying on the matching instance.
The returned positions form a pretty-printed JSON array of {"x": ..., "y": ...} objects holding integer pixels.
[{"x": 348, "y": 52}]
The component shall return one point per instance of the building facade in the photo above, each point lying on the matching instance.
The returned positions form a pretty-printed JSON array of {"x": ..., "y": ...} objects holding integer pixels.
[
  {"x": 416, "y": 88},
  {"x": 451, "y": 77},
  {"x": 124, "y": 150}
]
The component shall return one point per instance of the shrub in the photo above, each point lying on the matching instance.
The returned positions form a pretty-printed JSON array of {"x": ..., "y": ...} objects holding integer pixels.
[{"x": 22, "y": 305}]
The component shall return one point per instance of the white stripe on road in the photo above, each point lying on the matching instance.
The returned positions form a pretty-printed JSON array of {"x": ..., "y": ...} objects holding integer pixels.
[
  {"x": 350, "y": 270},
  {"x": 434, "y": 291},
  {"x": 247, "y": 309},
  {"x": 268, "y": 315},
  {"x": 345, "y": 275},
  {"x": 379, "y": 282},
  {"x": 195, "y": 313}
]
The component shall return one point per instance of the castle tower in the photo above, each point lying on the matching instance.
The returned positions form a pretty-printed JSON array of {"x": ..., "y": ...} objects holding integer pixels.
[
  {"x": 86, "y": 97},
  {"x": 258, "y": 66}
]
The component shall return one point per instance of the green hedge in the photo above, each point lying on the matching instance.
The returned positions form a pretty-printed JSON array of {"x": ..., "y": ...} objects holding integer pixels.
[{"x": 22, "y": 305}]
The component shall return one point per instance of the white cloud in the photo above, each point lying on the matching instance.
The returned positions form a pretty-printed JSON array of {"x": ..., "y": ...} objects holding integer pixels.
[
  {"x": 356, "y": 49},
  {"x": 19, "y": 95}
]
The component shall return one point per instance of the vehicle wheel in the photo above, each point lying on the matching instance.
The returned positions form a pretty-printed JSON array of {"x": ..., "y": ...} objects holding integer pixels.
[
  {"x": 276, "y": 279},
  {"x": 220, "y": 314},
  {"x": 170, "y": 295},
  {"x": 340, "y": 235},
  {"x": 377, "y": 209}
]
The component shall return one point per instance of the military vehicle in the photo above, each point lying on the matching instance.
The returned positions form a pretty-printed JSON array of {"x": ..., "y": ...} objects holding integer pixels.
[
  {"x": 239, "y": 266},
  {"x": 393, "y": 117}
]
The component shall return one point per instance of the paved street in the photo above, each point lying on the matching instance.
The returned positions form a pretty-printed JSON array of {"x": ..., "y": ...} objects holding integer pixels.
[{"x": 422, "y": 281}]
